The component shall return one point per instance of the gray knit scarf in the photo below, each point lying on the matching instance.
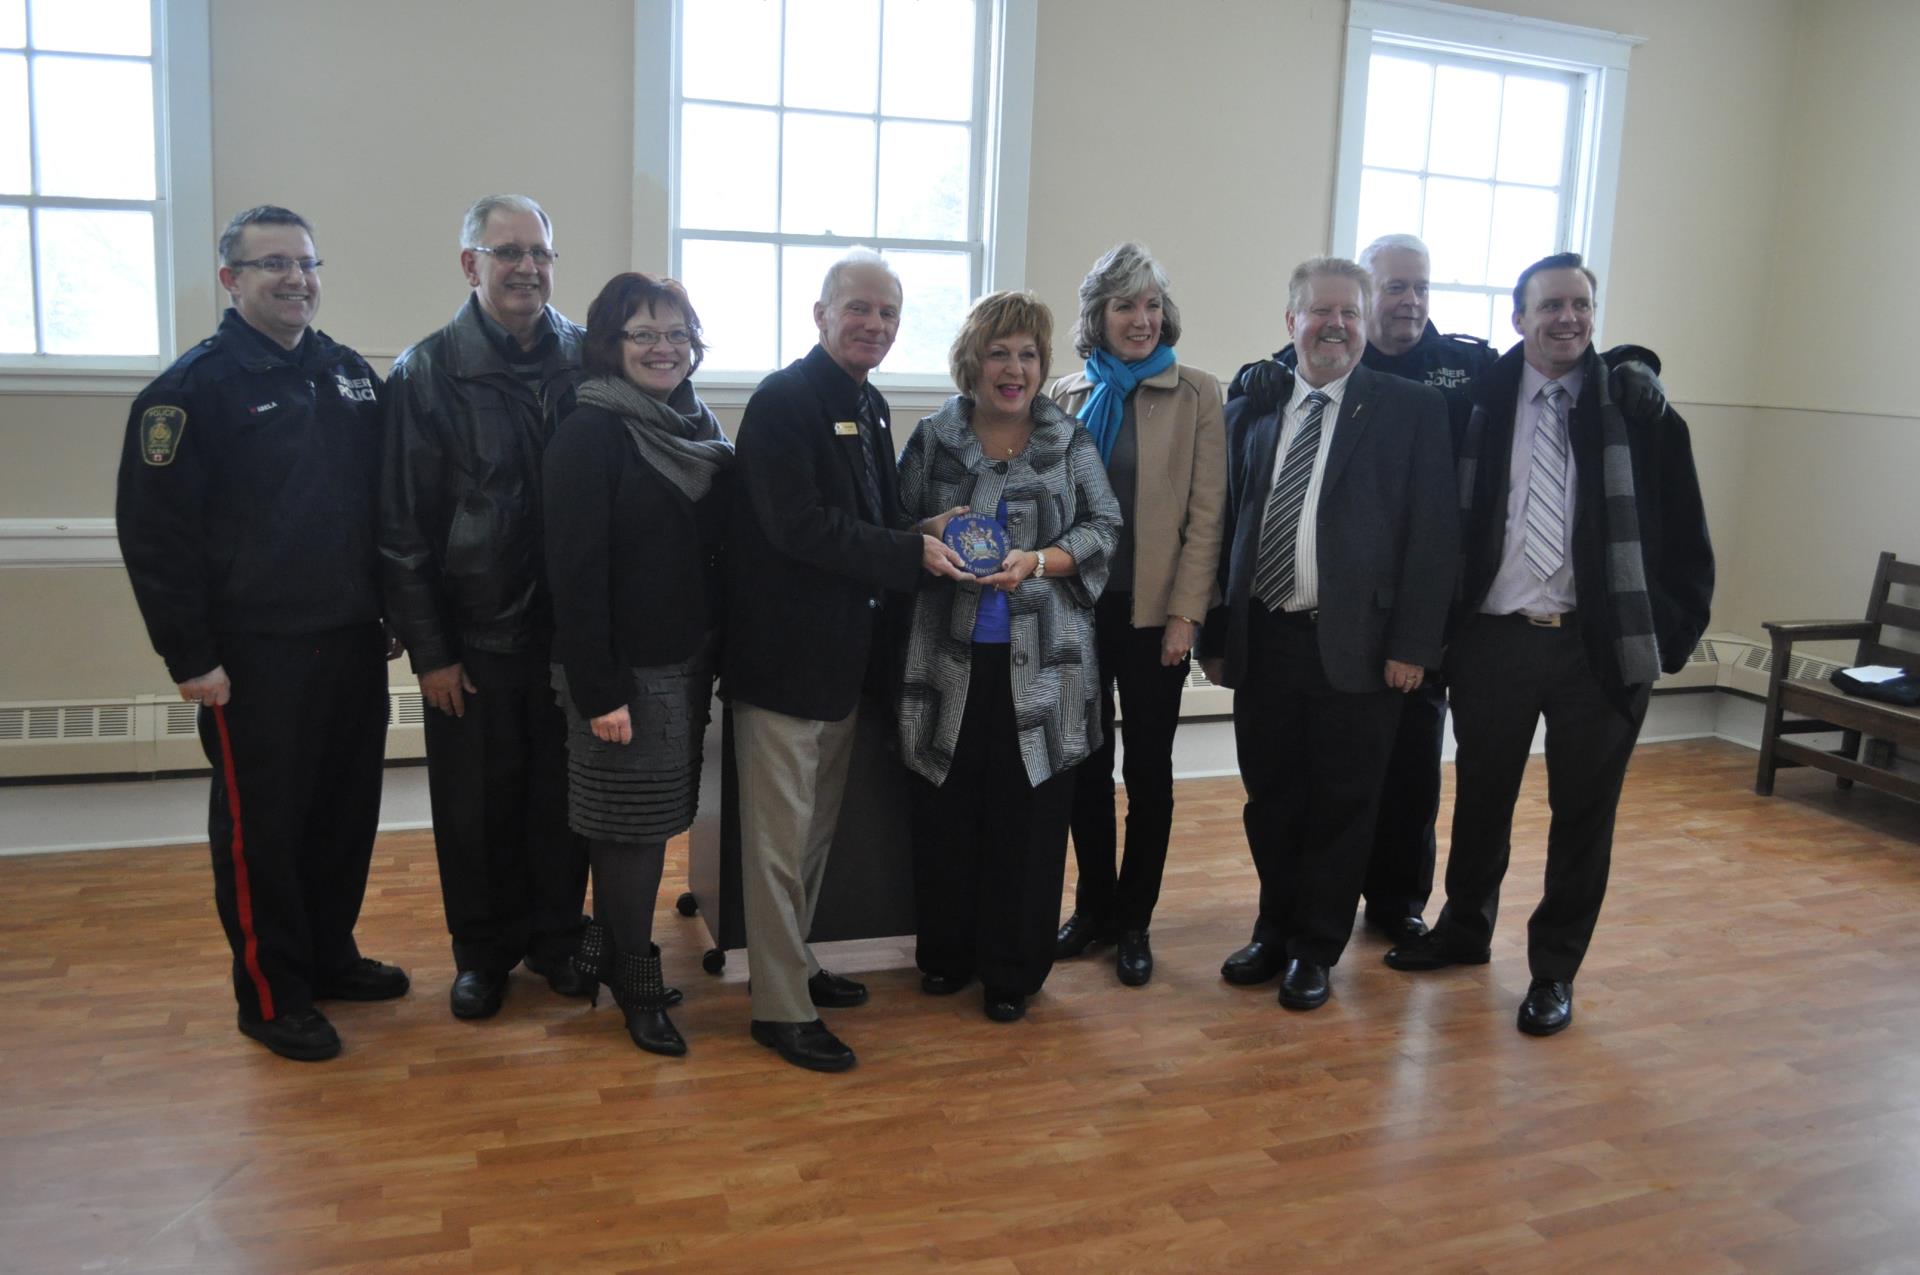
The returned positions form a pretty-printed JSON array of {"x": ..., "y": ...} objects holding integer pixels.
[
  {"x": 1626, "y": 583},
  {"x": 679, "y": 437}
]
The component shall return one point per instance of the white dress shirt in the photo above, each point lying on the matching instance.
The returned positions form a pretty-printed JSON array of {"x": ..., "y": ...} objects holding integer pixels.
[
  {"x": 1306, "y": 562},
  {"x": 1515, "y": 587}
]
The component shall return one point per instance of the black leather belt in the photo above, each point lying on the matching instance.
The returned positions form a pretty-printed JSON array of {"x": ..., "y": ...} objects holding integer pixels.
[{"x": 1558, "y": 620}]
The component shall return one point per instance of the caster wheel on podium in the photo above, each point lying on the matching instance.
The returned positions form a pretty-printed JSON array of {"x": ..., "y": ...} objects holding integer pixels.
[
  {"x": 687, "y": 904},
  {"x": 714, "y": 961}
]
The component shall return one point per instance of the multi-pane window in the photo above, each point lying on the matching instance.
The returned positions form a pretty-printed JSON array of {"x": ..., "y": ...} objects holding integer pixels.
[
  {"x": 807, "y": 126},
  {"x": 1494, "y": 137},
  {"x": 80, "y": 192},
  {"x": 1476, "y": 157}
]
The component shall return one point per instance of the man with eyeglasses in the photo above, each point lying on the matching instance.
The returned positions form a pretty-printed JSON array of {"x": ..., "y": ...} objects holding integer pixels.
[
  {"x": 469, "y": 412},
  {"x": 246, "y": 516}
]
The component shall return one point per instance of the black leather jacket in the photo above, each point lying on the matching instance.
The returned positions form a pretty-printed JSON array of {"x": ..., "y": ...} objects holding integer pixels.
[{"x": 460, "y": 521}]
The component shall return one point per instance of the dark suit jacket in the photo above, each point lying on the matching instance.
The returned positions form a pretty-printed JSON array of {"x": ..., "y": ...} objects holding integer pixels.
[
  {"x": 1387, "y": 533},
  {"x": 809, "y": 568},
  {"x": 1675, "y": 551}
]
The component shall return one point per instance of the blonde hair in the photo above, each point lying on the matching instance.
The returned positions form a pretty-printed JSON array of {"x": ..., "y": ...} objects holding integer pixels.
[
  {"x": 1328, "y": 268},
  {"x": 997, "y": 315}
]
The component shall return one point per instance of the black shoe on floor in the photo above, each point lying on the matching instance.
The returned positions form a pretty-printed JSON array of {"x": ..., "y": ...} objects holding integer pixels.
[
  {"x": 1134, "y": 961},
  {"x": 1396, "y": 929},
  {"x": 1255, "y": 963},
  {"x": 830, "y": 991},
  {"x": 478, "y": 993},
  {"x": 943, "y": 984},
  {"x": 364, "y": 980},
  {"x": 1547, "y": 1009},
  {"x": 808, "y": 1045},
  {"x": 1431, "y": 951},
  {"x": 563, "y": 976},
  {"x": 1304, "y": 985},
  {"x": 1004, "y": 1006},
  {"x": 1079, "y": 934},
  {"x": 303, "y": 1035}
]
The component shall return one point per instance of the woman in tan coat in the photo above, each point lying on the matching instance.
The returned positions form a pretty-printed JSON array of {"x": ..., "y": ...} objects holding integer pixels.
[{"x": 1159, "y": 429}]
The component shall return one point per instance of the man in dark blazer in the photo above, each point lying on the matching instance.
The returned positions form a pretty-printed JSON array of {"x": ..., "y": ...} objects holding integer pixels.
[
  {"x": 1342, "y": 543},
  {"x": 814, "y": 553},
  {"x": 1587, "y": 572}
]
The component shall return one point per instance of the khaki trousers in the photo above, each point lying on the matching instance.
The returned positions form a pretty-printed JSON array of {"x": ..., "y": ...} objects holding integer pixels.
[{"x": 792, "y": 773}]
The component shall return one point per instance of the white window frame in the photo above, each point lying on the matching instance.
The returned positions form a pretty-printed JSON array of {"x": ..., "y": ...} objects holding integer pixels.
[
  {"x": 997, "y": 220},
  {"x": 1597, "y": 61},
  {"x": 185, "y": 292}
]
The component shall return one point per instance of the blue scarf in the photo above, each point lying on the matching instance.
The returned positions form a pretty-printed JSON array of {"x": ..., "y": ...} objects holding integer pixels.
[{"x": 1112, "y": 381}]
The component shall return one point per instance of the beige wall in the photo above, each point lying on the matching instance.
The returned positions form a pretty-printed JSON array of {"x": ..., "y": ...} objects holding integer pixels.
[{"x": 1764, "y": 162}]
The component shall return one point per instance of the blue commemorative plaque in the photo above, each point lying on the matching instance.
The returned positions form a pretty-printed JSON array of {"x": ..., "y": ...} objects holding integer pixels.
[{"x": 979, "y": 540}]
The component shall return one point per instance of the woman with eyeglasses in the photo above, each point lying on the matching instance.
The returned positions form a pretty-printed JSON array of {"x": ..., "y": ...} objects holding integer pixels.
[
  {"x": 636, "y": 487},
  {"x": 1163, "y": 442}
]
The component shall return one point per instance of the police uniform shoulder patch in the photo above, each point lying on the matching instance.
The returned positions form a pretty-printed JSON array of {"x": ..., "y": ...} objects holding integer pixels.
[{"x": 160, "y": 431}]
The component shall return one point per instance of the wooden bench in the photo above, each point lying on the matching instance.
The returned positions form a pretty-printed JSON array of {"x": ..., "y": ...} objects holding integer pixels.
[{"x": 1823, "y": 706}]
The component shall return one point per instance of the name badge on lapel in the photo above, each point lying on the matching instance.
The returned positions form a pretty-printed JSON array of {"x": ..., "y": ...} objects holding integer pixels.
[{"x": 847, "y": 429}]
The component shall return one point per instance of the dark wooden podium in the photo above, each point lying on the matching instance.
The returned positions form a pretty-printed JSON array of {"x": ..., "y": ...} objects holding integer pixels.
[{"x": 868, "y": 891}]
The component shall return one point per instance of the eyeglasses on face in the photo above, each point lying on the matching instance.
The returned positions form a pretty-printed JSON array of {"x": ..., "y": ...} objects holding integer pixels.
[
  {"x": 513, "y": 254},
  {"x": 280, "y": 265},
  {"x": 653, "y": 336}
]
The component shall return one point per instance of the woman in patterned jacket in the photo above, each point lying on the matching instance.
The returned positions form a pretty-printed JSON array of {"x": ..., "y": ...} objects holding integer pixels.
[{"x": 999, "y": 699}]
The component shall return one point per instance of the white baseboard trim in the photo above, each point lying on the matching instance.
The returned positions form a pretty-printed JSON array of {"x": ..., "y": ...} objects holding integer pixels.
[{"x": 58, "y": 542}]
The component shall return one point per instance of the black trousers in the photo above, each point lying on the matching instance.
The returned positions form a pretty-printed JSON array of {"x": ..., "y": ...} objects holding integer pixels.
[
  {"x": 513, "y": 875},
  {"x": 1150, "y": 706},
  {"x": 1312, "y": 759},
  {"x": 1506, "y": 674},
  {"x": 296, "y": 756},
  {"x": 1400, "y": 875},
  {"x": 989, "y": 848}
]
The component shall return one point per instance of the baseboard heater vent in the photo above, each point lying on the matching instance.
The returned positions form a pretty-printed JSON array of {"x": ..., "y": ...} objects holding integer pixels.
[{"x": 141, "y": 735}]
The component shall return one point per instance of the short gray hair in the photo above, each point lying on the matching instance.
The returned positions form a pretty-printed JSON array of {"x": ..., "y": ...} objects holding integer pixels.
[
  {"x": 1328, "y": 268},
  {"x": 1124, "y": 270},
  {"x": 856, "y": 258},
  {"x": 1393, "y": 243},
  {"x": 474, "y": 226},
  {"x": 261, "y": 215}
]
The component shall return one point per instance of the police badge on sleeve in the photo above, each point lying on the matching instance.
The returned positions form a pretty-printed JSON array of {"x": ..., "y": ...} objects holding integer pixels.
[{"x": 160, "y": 430}]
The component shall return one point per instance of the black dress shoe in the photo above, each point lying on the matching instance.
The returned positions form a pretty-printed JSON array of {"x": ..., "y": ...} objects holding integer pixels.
[
  {"x": 1548, "y": 1007},
  {"x": 1397, "y": 929},
  {"x": 1004, "y": 1006},
  {"x": 1079, "y": 934},
  {"x": 830, "y": 991},
  {"x": 303, "y": 1035},
  {"x": 1257, "y": 962},
  {"x": 1304, "y": 985},
  {"x": 1431, "y": 951},
  {"x": 477, "y": 993},
  {"x": 364, "y": 980},
  {"x": 808, "y": 1045},
  {"x": 943, "y": 984},
  {"x": 563, "y": 976},
  {"x": 1134, "y": 961}
]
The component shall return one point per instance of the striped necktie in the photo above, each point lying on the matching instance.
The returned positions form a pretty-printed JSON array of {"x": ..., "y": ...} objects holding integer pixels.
[
  {"x": 1547, "y": 486},
  {"x": 1273, "y": 574}
]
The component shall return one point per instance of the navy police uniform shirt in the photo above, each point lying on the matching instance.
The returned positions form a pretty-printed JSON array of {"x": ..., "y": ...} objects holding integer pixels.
[{"x": 247, "y": 495}]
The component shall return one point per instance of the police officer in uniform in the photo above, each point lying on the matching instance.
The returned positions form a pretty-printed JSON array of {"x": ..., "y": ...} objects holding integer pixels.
[
  {"x": 246, "y": 517},
  {"x": 1402, "y": 341}
]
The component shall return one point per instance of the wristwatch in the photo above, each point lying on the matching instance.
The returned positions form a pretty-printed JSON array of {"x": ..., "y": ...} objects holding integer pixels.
[{"x": 1039, "y": 564}]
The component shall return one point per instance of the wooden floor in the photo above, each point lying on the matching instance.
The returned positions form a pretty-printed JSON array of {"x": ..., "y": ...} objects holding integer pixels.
[{"x": 1740, "y": 1090}]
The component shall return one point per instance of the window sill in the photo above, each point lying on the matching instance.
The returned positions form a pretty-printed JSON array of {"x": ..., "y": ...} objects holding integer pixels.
[{"x": 99, "y": 381}]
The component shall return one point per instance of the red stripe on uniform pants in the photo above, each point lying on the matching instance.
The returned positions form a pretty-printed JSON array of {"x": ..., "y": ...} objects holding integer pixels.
[{"x": 242, "y": 891}]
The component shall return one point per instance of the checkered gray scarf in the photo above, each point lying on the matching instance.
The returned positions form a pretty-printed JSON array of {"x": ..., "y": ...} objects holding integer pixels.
[{"x": 679, "y": 437}]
